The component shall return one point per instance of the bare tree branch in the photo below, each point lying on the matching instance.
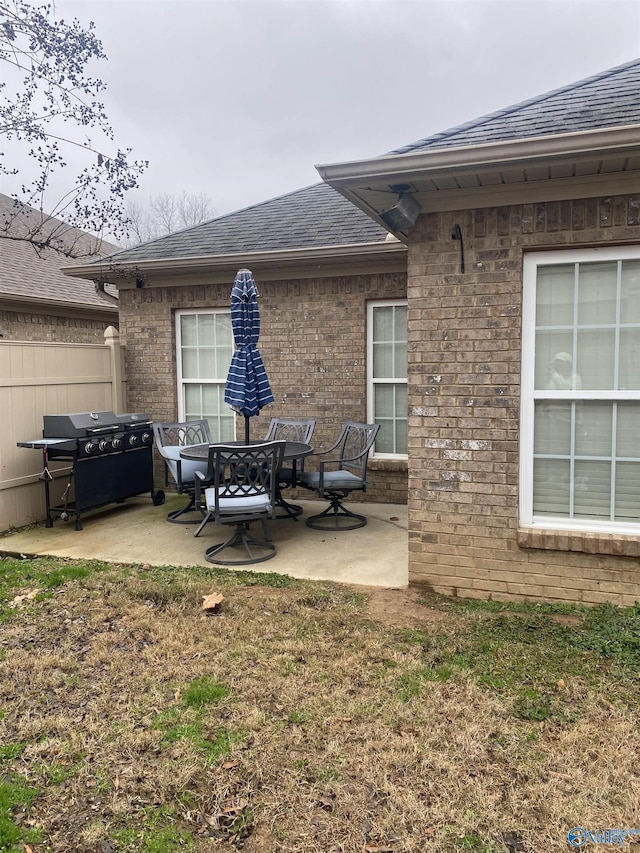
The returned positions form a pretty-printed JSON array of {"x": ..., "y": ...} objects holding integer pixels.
[
  {"x": 163, "y": 212},
  {"x": 194, "y": 209},
  {"x": 49, "y": 104},
  {"x": 166, "y": 213}
]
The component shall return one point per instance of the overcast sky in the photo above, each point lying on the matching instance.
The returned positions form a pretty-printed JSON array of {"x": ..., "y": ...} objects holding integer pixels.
[{"x": 239, "y": 99}]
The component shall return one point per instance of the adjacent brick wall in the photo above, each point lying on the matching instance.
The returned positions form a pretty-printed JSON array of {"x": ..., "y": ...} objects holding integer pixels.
[
  {"x": 312, "y": 339},
  {"x": 33, "y": 326},
  {"x": 464, "y": 374}
]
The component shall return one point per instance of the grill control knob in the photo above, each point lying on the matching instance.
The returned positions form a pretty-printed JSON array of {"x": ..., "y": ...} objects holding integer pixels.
[
  {"x": 117, "y": 442},
  {"x": 89, "y": 448},
  {"x": 146, "y": 438},
  {"x": 133, "y": 439},
  {"x": 103, "y": 444}
]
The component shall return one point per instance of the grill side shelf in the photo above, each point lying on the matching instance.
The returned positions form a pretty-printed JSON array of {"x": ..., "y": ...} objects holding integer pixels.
[{"x": 44, "y": 443}]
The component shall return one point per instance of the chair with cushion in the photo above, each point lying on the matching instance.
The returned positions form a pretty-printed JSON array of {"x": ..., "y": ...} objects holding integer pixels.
[
  {"x": 170, "y": 439},
  {"x": 285, "y": 429},
  {"x": 238, "y": 488},
  {"x": 342, "y": 471}
]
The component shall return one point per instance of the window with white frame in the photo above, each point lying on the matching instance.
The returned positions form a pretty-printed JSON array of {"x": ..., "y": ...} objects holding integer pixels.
[
  {"x": 580, "y": 408},
  {"x": 387, "y": 375},
  {"x": 204, "y": 341}
]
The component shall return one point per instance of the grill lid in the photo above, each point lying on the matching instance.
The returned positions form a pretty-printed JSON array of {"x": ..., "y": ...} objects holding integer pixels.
[
  {"x": 79, "y": 424},
  {"x": 136, "y": 419}
]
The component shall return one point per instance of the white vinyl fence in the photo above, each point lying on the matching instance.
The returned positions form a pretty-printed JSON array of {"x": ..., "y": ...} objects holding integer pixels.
[{"x": 38, "y": 379}]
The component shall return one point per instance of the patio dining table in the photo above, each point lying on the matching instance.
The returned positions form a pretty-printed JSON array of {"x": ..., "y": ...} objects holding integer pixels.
[{"x": 293, "y": 451}]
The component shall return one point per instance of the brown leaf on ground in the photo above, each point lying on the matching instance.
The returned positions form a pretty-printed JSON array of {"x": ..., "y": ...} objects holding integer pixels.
[
  {"x": 212, "y": 601},
  {"x": 27, "y": 596},
  {"x": 236, "y": 807}
]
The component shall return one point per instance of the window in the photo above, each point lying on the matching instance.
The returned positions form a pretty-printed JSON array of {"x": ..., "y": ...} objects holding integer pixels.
[
  {"x": 580, "y": 415},
  {"x": 387, "y": 375},
  {"x": 205, "y": 345}
]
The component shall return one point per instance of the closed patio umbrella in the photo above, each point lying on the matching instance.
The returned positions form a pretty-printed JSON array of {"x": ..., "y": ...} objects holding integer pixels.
[{"x": 247, "y": 389}]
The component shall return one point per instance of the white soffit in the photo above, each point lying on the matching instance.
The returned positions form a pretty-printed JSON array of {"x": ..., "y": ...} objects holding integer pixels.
[{"x": 445, "y": 178}]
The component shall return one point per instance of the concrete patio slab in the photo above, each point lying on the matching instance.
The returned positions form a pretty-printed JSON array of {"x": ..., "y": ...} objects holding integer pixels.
[{"x": 138, "y": 532}]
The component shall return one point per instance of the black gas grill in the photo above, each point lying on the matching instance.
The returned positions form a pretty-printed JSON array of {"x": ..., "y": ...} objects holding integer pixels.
[{"x": 111, "y": 458}]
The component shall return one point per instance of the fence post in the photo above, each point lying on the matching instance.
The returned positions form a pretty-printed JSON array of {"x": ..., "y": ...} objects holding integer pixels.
[{"x": 112, "y": 340}]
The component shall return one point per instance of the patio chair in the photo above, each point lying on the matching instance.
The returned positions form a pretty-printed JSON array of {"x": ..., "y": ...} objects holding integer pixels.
[
  {"x": 170, "y": 439},
  {"x": 290, "y": 430},
  {"x": 350, "y": 458},
  {"x": 238, "y": 488}
]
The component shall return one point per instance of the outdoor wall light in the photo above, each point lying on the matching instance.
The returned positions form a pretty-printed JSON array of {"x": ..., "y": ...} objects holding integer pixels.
[
  {"x": 456, "y": 234},
  {"x": 403, "y": 214}
]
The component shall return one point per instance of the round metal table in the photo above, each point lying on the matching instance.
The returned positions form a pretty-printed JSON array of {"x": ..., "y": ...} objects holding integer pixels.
[{"x": 293, "y": 450}]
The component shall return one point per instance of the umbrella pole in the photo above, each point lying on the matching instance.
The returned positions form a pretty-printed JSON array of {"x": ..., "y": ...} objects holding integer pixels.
[{"x": 246, "y": 429}]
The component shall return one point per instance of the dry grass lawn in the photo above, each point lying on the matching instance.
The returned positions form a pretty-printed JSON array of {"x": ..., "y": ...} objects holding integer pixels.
[{"x": 305, "y": 716}]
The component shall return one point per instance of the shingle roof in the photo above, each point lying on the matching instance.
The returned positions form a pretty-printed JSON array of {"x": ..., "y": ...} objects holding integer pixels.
[
  {"x": 305, "y": 219},
  {"x": 35, "y": 274},
  {"x": 608, "y": 99},
  {"x": 318, "y": 216}
]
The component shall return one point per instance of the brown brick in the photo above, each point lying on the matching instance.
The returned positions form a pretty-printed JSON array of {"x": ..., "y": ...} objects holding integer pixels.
[
  {"x": 480, "y": 550},
  {"x": 311, "y": 375}
]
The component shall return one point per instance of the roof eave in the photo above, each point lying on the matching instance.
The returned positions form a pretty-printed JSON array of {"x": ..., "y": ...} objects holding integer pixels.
[
  {"x": 284, "y": 258},
  {"x": 37, "y": 305},
  {"x": 606, "y": 143},
  {"x": 357, "y": 179}
]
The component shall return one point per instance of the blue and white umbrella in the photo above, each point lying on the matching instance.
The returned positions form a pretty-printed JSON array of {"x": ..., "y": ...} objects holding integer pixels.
[{"x": 247, "y": 389}]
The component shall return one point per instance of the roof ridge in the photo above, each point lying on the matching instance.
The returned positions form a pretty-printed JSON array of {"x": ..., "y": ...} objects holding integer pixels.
[
  {"x": 207, "y": 222},
  {"x": 305, "y": 218},
  {"x": 258, "y": 204},
  {"x": 480, "y": 120}
]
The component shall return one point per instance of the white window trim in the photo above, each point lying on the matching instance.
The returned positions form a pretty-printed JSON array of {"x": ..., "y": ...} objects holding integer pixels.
[
  {"x": 528, "y": 395},
  {"x": 378, "y": 303},
  {"x": 181, "y": 382}
]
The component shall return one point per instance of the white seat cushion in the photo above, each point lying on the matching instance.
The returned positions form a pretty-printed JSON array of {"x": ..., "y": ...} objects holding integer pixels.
[
  {"x": 171, "y": 452},
  {"x": 258, "y": 502},
  {"x": 340, "y": 480}
]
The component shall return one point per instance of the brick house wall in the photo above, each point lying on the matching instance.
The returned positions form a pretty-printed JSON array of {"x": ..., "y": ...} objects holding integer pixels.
[
  {"x": 313, "y": 342},
  {"x": 464, "y": 383},
  {"x": 50, "y": 328}
]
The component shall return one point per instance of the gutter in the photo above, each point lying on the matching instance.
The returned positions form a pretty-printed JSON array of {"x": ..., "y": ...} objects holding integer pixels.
[
  {"x": 618, "y": 141},
  {"x": 107, "y": 272},
  {"x": 66, "y": 306},
  {"x": 100, "y": 289}
]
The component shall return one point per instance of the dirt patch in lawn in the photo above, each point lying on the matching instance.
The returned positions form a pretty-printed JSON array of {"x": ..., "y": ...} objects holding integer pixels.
[{"x": 402, "y": 608}]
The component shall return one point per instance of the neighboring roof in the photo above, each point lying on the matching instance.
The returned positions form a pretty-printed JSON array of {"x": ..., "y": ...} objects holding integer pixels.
[
  {"x": 313, "y": 217},
  {"x": 608, "y": 99},
  {"x": 29, "y": 273}
]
